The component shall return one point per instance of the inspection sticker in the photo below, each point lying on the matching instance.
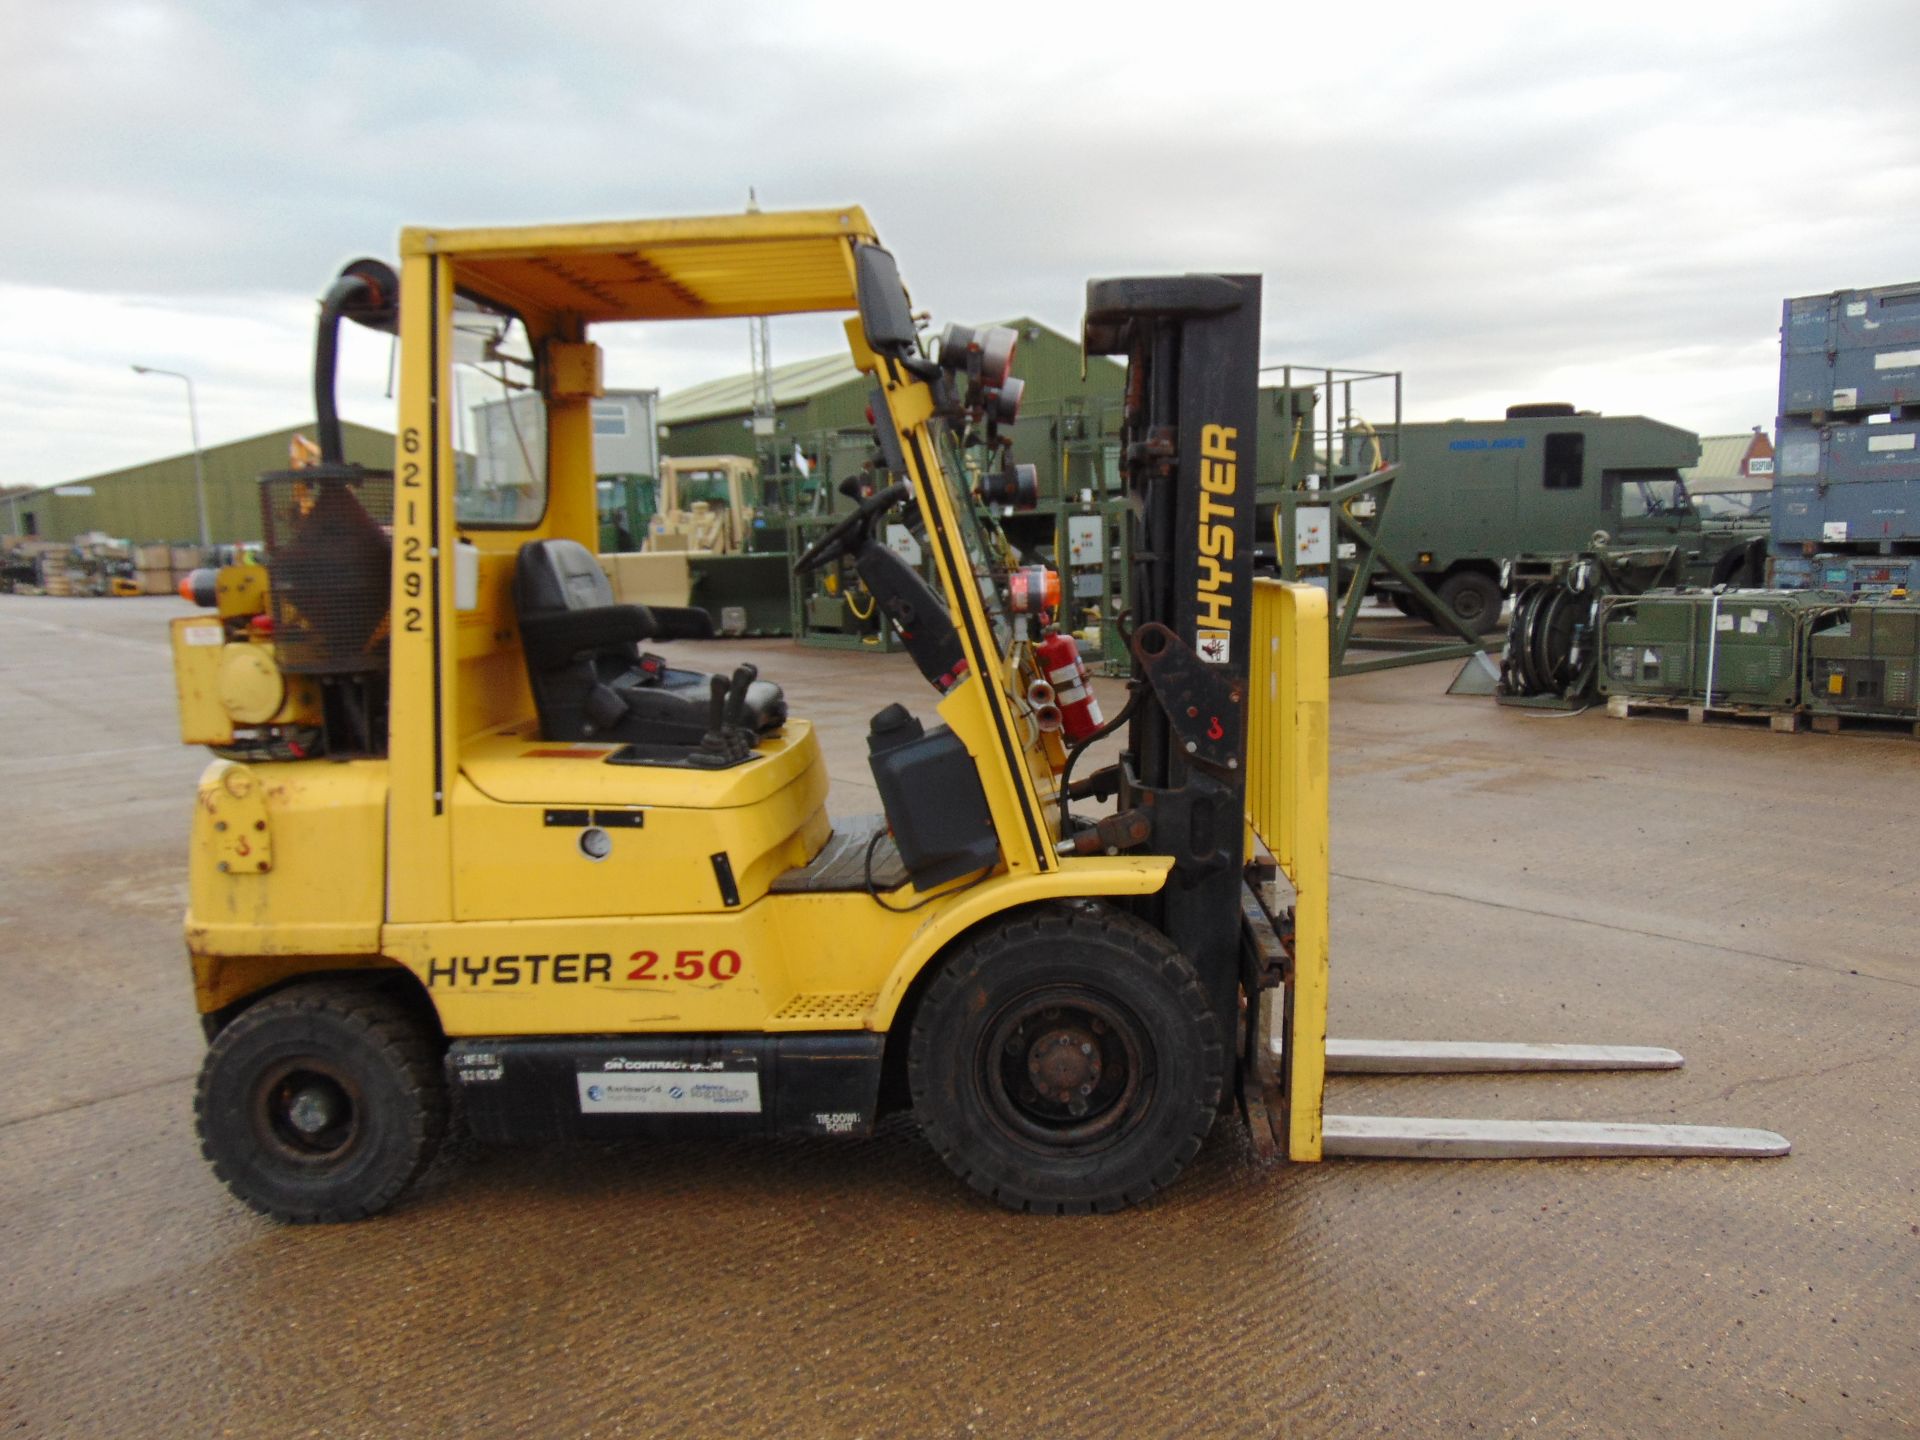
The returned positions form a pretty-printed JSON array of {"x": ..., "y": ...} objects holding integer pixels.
[
  {"x": 703, "y": 1092},
  {"x": 205, "y": 635}
]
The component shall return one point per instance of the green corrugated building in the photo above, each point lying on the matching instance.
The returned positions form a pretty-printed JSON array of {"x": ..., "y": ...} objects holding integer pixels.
[
  {"x": 811, "y": 396},
  {"x": 155, "y": 502}
]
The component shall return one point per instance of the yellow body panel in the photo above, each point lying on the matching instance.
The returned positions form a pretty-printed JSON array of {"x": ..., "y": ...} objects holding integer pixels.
[
  {"x": 322, "y": 892},
  {"x": 198, "y": 644},
  {"x": 240, "y": 590},
  {"x": 1287, "y": 808},
  {"x": 521, "y": 807},
  {"x": 835, "y": 961}
]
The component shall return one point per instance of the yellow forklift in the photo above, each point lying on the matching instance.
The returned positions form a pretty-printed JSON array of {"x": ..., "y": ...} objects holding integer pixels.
[{"x": 469, "y": 830}]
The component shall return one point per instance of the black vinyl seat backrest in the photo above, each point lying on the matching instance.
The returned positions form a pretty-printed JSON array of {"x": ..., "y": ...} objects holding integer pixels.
[
  {"x": 589, "y": 678},
  {"x": 560, "y": 575}
]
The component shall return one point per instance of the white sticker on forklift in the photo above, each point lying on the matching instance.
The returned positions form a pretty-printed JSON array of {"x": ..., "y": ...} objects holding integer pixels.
[
  {"x": 1215, "y": 647},
  {"x": 206, "y": 635},
  {"x": 673, "y": 1093}
]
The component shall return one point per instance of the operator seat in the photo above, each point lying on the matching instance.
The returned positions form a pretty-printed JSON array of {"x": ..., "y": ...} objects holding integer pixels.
[{"x": 591, "y": 681}]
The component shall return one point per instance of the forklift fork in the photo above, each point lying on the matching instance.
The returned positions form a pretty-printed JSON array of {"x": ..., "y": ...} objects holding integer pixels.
[
  {"x": 1265, "y": 1102},
  {"x": 1435, "y": 1138}
]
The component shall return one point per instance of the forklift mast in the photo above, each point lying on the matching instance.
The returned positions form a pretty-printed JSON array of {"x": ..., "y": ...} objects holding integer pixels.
[{"x": 1188, "y": 461}]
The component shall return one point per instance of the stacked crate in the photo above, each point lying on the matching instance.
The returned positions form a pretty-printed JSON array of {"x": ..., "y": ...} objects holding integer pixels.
[
  {"x": 1846, "y": 490},
  {"x": 185, "y": 560},
  {"x": 55, "y": 573},
  {"x": 153, "y": 569}
]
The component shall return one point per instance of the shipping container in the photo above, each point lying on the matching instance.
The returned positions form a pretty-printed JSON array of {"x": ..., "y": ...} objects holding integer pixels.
[{"x": 1852, "y": 350}]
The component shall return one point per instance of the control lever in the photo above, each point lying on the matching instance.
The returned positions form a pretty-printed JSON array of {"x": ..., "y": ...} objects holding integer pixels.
[
  {"x": 727, "y": 741},
  {"x": 737, "y": 697}
]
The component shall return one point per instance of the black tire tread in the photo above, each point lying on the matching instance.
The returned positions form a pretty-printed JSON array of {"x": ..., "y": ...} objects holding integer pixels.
[
  {"x": 1049, "y": 927},
  {"x": 392, "y": 1031},
  {"x": 1451, "y": 588}
]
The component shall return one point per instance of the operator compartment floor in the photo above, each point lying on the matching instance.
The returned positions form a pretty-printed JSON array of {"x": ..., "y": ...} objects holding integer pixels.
[{"x": 842, "y": 862}]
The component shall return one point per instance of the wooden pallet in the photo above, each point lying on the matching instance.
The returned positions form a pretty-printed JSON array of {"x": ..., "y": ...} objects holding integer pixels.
[
  {"x": 1865, "y": 725},
  {"x": 1623, "y": 707}
]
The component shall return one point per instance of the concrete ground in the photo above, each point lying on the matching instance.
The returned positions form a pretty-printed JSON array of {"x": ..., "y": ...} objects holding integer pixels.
[{"x": 1744, "y": 896}]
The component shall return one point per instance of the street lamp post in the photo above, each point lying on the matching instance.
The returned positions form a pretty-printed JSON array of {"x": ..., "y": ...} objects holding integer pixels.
[{"x": 199, "y": 468}]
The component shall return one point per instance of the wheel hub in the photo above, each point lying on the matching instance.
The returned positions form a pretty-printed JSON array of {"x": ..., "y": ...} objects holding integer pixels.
[
  {"x": 1063, "y": 1068},
  {"x": 312, "y": 1110},
  {"x": 306, "y": 1113},
  {"x": 1065, "y": 1065}
]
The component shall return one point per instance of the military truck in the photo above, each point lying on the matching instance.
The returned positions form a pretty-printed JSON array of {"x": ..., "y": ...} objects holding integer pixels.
[{"x": 1482, "y": 506}]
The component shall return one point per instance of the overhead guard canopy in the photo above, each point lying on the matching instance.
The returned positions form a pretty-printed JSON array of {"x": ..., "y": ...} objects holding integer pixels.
[{"x": 707, "y": 267}]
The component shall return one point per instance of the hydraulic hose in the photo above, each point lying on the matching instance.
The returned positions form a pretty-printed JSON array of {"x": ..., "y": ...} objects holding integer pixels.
[{"x": 1073, "y": 755}]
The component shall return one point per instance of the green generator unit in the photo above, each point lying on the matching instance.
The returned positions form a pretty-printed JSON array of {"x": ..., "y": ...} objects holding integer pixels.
[
  {"x": 1864, "y": 660},
  {"x": 1734, "y": 648}
]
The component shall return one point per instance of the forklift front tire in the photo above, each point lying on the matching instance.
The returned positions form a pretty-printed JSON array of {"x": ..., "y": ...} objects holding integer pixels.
[
  {"x": 321, "y": 1104},
  {"x": 1066, "y": 1061}
]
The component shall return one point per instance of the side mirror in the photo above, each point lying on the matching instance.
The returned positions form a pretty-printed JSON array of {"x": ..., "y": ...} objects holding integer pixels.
[{"x": 884, "y": 312}]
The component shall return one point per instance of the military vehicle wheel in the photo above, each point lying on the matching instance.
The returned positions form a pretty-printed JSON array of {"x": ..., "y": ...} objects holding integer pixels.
[
  {"x": 1066, "y": 1060},
  {"x": 321, "y": 1103},
  {"x": 1742, "y": 566},
  {"x": 1404, "y": 602},
  {"x": 1475, "y": 598}
]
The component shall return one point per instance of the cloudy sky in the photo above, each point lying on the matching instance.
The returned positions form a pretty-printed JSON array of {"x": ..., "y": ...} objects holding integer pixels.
[{"x": 1602, "y": 204}]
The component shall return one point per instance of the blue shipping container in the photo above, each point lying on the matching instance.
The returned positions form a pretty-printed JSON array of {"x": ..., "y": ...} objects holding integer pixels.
[
  {"x": 1849, "y": 514},
  {"x": 1844, "y": 454},
  {"x": 1872, "y": 319},
  {"x": 1853, "y": 380}
]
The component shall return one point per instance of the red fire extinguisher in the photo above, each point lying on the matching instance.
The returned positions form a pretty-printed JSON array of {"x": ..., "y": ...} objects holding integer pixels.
[{"x": 1060, "y": 663}]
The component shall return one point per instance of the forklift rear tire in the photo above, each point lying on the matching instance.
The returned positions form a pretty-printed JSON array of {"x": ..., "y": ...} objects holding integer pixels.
[
  {"x": 321, "y": 1103},
  {"x": 1475, "y": 598},
  {"x": 1066, "y": 1060}
]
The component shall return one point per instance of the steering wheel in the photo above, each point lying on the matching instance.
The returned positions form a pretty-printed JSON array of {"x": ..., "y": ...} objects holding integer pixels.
[{"x": 840, "y": 539}]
